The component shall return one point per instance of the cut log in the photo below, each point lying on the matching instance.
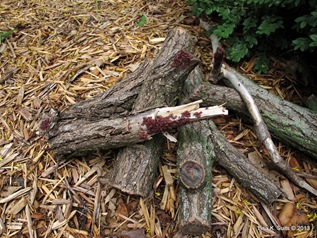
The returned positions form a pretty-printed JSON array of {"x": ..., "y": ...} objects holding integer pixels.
[
  {"x": 289, "y": 123},
  {"x": 77, "y": 138},
  {"x": 195, "y": 157},
  {"x": 160, "y": 87},
  {"x": 200, "y": 144}
]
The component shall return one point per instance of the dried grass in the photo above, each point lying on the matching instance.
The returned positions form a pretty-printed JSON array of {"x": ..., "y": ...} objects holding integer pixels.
[{"x": 66, "y": 51}]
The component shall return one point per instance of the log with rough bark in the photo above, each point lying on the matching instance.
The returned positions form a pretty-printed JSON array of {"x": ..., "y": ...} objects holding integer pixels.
[
  {"x": 200, "y": 144},
  {"x": 80, "y": 128},
  {"x": 77, "y": 138},
  {"x": 136, "y": 174},
  {"x": 116, "y": 101},
  {"x": 195, "y": 157},
  {"x": 287, "y": 122}
]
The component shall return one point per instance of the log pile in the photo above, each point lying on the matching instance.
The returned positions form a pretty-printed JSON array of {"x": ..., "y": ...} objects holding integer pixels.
[{"x": 132, "y": 115}]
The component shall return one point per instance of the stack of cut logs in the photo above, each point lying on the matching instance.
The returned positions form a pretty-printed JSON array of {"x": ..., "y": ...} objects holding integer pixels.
[{"x": 158, "y": 96}]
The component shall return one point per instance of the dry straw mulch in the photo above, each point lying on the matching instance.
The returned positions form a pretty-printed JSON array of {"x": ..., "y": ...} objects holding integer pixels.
[{"x": 65, "y": 51}]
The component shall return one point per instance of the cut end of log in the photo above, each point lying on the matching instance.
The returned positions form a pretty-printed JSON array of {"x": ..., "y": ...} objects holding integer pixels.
[
  {"x": 192, "y": 174},
  {"x": 194, "y": 226}
]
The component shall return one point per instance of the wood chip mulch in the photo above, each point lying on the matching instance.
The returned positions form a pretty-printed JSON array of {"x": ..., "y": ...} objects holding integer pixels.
[{"x": 56, "y": 53}]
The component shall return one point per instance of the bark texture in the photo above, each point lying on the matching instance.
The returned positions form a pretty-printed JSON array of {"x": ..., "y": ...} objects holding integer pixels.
[
  {"x": 160, "y": 88},
  {"x": 287, "y": 122},
  {"x": 95, "y": 123},
  {"x": 135, "y": 167},
  {"x": 195, "y": 157},
  {"x": 115, "y": 102}
]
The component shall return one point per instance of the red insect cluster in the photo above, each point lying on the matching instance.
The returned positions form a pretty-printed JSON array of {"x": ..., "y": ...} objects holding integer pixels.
[
  {"x": 45, "y": 124},
  {"x": 198, "y": 114},
  {"x": 181, "y": 58},
  {"x": 144, "y": 136},
  {"x": 160, "y": 124}
]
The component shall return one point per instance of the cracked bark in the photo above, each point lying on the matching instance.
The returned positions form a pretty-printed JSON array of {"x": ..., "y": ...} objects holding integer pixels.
[{"x": 161, "y": 87}]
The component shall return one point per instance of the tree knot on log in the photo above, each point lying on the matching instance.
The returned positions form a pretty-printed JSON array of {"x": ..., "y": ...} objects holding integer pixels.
[
  {"x": 48, "y": 121},
  {"x": 181, "y": 58},
  {"x": 192, "y": 174}
]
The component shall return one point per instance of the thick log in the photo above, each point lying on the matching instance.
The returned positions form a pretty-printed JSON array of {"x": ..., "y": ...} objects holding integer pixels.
[
  {"x": 195, "y": 157},
  {"x": 289, "y": 123},
  {"x": 161, "y": 87},
  {"x": 77, "y": 138},
  {"x": 116, "y": 101},
  {"x": 135, "y": 167}
]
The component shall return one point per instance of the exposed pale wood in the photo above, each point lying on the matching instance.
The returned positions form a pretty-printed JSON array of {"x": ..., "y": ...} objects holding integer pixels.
[
  {"x": 78, "y": 138},
  {"x": 262, "y": 131}
]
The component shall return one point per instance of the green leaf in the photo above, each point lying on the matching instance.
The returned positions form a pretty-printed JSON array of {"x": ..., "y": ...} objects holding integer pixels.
[
  {"x": 209, "y": 11},
  {"x": 224, "y": 31},
  {"x": 251, "y": 40},
  {"x": 303, "y": 24},
  {"x": 301, "y": 44},
  {"x": 313, "y": 44},
  {"x": 249, "y": 23},
  {"x": 237, "y": 52},
  {"x": 262, "y": 64},
  {"x": 313, "y": 37},
  {"x": 6, "y": 34},
  {"x": 142, "y": 21},
  {"x": 269, "y": 26},
  {"x": 314, "y": 14}
]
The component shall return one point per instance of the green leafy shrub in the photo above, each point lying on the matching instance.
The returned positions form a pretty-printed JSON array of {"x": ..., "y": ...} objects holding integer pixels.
[{"x": 258, "y": 26}]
